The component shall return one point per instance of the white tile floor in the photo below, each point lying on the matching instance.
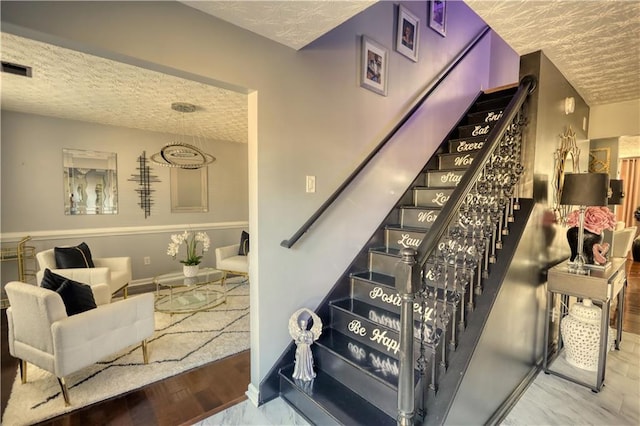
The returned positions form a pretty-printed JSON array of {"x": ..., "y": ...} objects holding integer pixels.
[{"x": 550, "y": 400}]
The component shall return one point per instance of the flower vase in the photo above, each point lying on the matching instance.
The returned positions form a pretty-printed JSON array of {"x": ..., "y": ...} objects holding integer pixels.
[
  {"x": 190, "y": 270},
  {"x": 589, "y": 240}
]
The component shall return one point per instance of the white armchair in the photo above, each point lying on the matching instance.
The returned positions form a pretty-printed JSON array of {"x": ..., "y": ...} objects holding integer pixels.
[
  {"x": 622, "y": 241},
  {"x": 230, "y": 262},
  {"x": 41, "y": 332},
  {"x": 113, "y": 271}
]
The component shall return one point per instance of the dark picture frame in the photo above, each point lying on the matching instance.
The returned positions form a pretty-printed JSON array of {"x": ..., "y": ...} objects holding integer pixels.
[
  {"x": 438, "y": 16},
  {"x": 374, "y": 66},
  {"x": 408, "y": 34}
]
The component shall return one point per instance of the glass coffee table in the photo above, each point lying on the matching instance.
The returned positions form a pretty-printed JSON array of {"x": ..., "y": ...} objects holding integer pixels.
[{"x": 177, "y": 294}]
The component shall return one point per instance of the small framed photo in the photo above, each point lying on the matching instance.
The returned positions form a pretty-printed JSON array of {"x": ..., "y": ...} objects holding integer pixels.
[
  {"x": 408, "y": 34},
  {"x": 438, "y": 16},
  {"x": 375, "y": 59}
]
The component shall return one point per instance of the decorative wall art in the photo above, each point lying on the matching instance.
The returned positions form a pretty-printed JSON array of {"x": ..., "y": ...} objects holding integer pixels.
[
  {"x": 189, "y": 190},
  {"x": 90, "y": 182},
  {"x": 438, "y": 16},
  {"x": 374, "y": 66},
  {"x": 144, "y": 179},
  {"x": 599, "y": 160},
  {"x": 568, "y": 150},
  {"x": 408, "y": 34}
]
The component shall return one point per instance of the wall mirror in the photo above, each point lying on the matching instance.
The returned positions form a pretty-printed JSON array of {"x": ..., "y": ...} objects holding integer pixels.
[
  {"x": 90, "y": 182},
  {"x": 189, "y": 190}
]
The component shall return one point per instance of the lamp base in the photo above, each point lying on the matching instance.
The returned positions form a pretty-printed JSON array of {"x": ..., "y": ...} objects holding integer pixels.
[{"x": 589, "y": 266}]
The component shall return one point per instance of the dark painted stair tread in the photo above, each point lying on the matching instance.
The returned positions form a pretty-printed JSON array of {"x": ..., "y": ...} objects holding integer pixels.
[
  {"x": 386, "y": 251},
  {"x": 338, "y": 401},
  {"x": 362, "y": 309},
  {"x": 489, "y": 104},
  {"x": 397, "y": 227},
  {"x": 418, "y": 188},
  {"x": 376, "y": 278},
  {"x": 352, "y": 352},
  {"x": 412, "y": 207},
  {"x": 389, "y": 281}
]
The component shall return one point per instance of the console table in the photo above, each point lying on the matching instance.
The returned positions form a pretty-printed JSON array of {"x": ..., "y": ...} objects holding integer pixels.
[{"x": 601, "y": 286}]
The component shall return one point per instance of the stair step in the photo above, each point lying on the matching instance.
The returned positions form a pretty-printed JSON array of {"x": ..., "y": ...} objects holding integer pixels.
[
  {"x": 444, "y": 178},
  {"x": 418, "y": 216},
  {"x": 456, "y": 160},
  {"x": 399, "y": 238},
  {"x": 431, "y": 197},
  {"x": 326, "y": 401},
  {"x": 466, "y": 144},
  {"x": 491, "y": 103},
  {"x": 365, "y": 288},
  {"x": 475, "y": 130},
  {"x": 367, "y": 372},
  {"x": 488, "y": 116},
  {"x": 383, "y": 260},
  {"x": 371, "y": 326}
]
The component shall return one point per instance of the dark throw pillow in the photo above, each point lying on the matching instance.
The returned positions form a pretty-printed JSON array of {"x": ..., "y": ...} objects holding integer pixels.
[
  {"x": 77, "y": 297},
  {"x": 73, "y": 257},
  {"x": 244, "y": 244},
  {"x": 51, "y": 280}
]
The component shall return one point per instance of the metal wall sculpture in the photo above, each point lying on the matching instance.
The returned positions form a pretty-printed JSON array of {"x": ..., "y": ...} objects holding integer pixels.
[{"x": 144, "y": 179}]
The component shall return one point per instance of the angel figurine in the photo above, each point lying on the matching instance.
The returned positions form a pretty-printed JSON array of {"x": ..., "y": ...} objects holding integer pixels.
[{"x": 304, "y": 337}]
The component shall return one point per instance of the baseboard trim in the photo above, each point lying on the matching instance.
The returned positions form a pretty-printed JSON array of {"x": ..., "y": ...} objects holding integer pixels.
[
  {"x": 253, "y": 394},
  {"x": 61, "y": 234}
]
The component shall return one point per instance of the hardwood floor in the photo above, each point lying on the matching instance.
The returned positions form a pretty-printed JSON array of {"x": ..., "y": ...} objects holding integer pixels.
[{"x": 200, "y": 393}]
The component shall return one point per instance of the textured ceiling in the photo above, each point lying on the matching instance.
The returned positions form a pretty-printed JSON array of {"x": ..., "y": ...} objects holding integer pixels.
[
  {"x": 292, "y": 23},
  {"x": 595, "y": 44},
  {"x": 73, "y": 85}
]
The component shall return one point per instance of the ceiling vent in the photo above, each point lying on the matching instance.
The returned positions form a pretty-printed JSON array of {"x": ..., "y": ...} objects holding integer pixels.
[{"x": 16, "y": 69}]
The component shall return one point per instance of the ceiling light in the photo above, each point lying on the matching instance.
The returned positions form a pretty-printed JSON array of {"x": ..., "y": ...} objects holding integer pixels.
[{"x": 181, "y": 154}]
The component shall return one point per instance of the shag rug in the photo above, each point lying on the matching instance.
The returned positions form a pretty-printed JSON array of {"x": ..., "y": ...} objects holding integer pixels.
[{"x": 181, "y": 342}]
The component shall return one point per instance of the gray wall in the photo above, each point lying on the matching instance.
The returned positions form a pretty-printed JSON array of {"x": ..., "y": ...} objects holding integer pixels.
[
  {"x": 308, "y": 116},
  {"x": 33, "y": 193}
]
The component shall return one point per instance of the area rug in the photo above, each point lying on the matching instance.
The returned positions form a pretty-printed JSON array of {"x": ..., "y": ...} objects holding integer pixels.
[{"x": 181, "y": 342}]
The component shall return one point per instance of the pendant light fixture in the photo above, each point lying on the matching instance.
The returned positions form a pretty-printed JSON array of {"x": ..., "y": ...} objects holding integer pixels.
[{"x": 181, "y": 154}]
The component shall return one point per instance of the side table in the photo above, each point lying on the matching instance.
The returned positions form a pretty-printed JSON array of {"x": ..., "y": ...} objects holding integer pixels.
[{"x": 601, "y": 286}]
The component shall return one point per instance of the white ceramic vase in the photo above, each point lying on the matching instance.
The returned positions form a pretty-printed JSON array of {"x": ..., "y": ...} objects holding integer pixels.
[
  {"x": 581, "y": 335},
  {"x": 190, "y": 270}
]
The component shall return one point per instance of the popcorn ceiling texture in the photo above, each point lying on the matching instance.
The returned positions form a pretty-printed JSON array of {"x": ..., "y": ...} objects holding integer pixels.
[
  {"x": 593, "y": 43},
  {"x": 78, "y": 86}
]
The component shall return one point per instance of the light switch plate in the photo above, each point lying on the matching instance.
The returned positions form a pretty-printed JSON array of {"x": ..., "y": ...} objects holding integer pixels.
[{"x": 311, "y": 184}]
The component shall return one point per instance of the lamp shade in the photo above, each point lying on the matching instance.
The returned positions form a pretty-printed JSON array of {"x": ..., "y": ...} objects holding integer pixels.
[
  {"x": 585, "y": 189},
  {"x": 617, "y": 191}
]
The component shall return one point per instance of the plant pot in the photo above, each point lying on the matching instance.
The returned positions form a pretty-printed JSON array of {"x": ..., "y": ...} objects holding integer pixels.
[{"x": 190, "y": 270}]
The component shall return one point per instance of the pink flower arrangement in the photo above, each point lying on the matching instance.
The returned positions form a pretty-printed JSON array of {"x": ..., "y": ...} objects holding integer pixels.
[{"x": 596, "y": 219}]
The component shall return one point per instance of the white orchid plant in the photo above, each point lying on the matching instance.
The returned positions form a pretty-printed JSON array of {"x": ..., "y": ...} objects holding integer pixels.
[{"x": 191, "y": 240}]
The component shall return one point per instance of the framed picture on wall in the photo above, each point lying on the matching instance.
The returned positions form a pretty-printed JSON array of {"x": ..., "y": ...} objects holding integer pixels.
[
  {"x": 438, "y": 16},
  {"x": 408, "y": 34},
  {"x": 374, "y": 66}
]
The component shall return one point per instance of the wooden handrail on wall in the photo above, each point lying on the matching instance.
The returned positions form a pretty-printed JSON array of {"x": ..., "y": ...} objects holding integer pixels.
[{"x": 420, "y": 100}]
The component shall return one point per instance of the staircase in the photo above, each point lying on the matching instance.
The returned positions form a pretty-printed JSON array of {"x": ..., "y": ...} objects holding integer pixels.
[{"x": 356, "y": 357}]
